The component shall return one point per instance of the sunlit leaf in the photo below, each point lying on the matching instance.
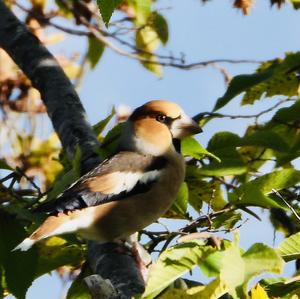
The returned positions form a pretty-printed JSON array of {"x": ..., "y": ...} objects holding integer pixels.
[
  {"x": 240, "y": 84},
  {"x": 289, "y": 248},
  {"x": 255, "y": 192},
  {"x": 277, "y": 77},
  {"x": 142, "y": 10},
  {"x": 192, "y": 148},
  {"x": 258, "y": 292},
  {"x": 173, "y": 263}
]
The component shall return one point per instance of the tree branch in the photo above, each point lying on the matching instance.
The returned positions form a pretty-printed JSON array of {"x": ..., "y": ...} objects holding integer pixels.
[{"x": 69, "y": 120}]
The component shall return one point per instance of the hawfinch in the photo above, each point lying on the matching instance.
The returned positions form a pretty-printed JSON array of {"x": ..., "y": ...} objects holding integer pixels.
[{"x": 130, "y": 190}]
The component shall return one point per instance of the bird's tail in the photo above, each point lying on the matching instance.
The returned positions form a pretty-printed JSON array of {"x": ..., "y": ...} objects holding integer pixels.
[
  {"x": 47, "y": 229},
  {"x": 25, "y": 245}
]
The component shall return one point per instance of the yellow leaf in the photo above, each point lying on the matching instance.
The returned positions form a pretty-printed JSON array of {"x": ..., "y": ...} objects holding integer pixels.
[{"x": 258, "y": 292}]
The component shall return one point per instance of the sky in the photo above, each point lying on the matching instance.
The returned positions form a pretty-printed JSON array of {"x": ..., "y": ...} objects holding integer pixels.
[{"x": 202, "y": 32}]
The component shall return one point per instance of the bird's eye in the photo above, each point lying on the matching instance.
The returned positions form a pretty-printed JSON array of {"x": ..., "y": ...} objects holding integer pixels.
[{"x": 161, "y": 118}]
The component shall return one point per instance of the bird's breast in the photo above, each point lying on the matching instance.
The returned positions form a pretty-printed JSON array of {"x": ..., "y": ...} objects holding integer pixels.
[{"x": 119, "y": 219}]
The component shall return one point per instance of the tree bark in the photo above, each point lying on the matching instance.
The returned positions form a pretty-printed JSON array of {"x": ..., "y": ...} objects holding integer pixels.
[{"x": 70, "y": 122}]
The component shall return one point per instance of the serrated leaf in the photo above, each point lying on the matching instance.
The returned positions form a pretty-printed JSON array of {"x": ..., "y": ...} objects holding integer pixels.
[
  {"x": 259, "y": 258},
  {"x": 289, "y": 248},
  {"x": 255, "y": 192},
  {"x": 19, "y": 267},
  {"x": 281, "y": 288},
  {"x": 288, "y": 114},
  {"x": 201, "y": 190},
  {"x": 107, "y": 8},
  {"x": 160, "y": 26},
  {"x": 192, "y": 148},
  {"x": 240, "y": 84},
  {"x": 173, "y": 263},
  {"x": 95, "y": 51},
  {"x": 277, "y": 77}
]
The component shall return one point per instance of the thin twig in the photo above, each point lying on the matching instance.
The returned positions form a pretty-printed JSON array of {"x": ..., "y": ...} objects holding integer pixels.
[{"x": 289, "y": 206}]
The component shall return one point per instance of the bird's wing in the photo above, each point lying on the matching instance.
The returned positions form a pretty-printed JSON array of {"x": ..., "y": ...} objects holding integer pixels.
[{"x": 123, "y": 175}]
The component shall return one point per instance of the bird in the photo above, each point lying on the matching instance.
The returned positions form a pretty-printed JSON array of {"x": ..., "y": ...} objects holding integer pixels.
[{"x": 130, "y": 190}]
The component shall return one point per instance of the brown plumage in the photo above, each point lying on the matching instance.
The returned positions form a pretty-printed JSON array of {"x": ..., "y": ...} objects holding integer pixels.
[{"x": 131, "y": 189}]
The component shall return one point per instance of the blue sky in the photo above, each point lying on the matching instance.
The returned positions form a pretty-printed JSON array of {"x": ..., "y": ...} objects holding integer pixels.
[{"x": 202, "y": 32}]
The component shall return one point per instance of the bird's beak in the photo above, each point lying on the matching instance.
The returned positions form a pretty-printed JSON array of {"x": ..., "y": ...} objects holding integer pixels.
[{"x": 184, "y": 126}]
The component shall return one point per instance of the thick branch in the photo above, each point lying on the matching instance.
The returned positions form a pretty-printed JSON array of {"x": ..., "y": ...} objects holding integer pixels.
[
  {"x": 69, "y": 120},
  {"x": 62, "y": 102}
]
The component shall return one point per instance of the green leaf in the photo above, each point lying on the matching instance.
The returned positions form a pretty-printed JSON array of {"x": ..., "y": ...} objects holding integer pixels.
[
  {"x": 211, "y": 265},
  {"x": 95, "y": 51},
  {"x": 201, "y": 190},
  {"x": 258, "y": 292},
  {"x": 160, "y": 26},
  {"x": 173, "y": 263},
  {"x": 62, "y": 182},
  {"x": 259, "y": 258},
  {"x": 228, "y": 166},
  {"x": 284, "y": 80},
  {"x": 4, "y": 165},
  {"x": 296, "y": 4},
  {"x": 180, "y": 204},
  {"x": 288, "y": 114},
  {"x": 214, "y": 290},
  {"x": 78, "y": 290},
  {"x": 56, "y": 252},
  {"x": 227, "y": 220},
  {"x": 223, "y": 140},
  {"x": 240, "y": 84},
  {"x": 100, "y": 126},
  {"x": 147, "y": 42},
  {"x": 232, "y": 268},
  {"x": 255, "y": 192},
  {"x": 19, "y": 267},
  {"x": 289, "y": 248},
  {"x": 192, "y": 148},
  {"x": 281, "y": 289},
  {"x": 266, "y": 138},
  {"x": 277, "y": 77},
  {"x": 107, "y": 8},
  {"x": 142, "y": 10}
]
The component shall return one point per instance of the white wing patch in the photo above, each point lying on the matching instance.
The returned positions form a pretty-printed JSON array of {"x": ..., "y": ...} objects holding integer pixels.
[{"x": 126, "y": 181}]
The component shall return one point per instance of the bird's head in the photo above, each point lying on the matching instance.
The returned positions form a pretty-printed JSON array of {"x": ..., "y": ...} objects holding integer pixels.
[{"x": 153, "y": 127}]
